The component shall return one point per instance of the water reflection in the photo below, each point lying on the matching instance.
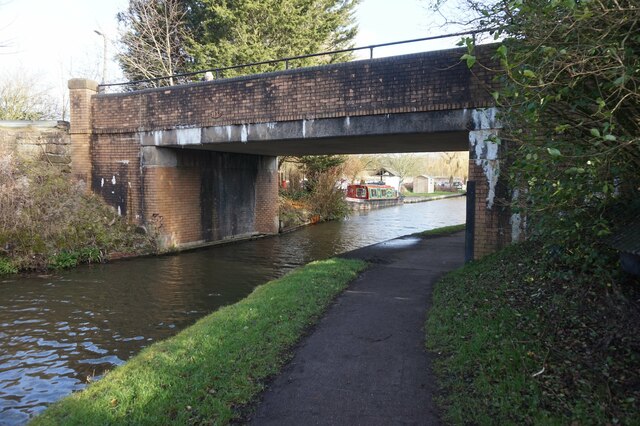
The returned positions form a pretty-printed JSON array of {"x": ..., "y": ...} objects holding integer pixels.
[{"x": 57, "y": 332}]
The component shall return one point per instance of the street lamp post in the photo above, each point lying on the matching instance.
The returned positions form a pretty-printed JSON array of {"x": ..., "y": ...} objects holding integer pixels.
[{"x": 104, "y": 55}]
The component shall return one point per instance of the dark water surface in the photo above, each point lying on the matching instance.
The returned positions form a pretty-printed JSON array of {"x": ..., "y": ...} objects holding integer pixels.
[{"x": 59, "y": 331}]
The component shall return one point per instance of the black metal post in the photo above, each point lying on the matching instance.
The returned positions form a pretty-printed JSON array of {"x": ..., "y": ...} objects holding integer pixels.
[{"x": 471, "y": 219}]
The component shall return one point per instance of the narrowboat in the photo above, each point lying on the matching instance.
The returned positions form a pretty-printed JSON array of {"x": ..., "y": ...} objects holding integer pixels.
[{"x": 371, "y": 196}]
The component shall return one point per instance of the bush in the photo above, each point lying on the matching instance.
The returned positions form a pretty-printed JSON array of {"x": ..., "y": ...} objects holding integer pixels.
[
  {"x": 46, "y": 220},
  {"x": 327, "y": 199},
  {"x": 7, "y": 267}
]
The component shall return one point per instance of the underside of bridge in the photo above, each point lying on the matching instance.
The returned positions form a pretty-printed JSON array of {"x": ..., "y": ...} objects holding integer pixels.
[{"x": 390, "y": 133}]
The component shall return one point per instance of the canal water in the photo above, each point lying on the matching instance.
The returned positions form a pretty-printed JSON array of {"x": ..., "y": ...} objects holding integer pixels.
[{"x": 60, "y": 331}]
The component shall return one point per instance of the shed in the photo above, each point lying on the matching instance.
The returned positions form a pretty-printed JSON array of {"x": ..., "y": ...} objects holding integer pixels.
[{"x": 423, "y": 184}]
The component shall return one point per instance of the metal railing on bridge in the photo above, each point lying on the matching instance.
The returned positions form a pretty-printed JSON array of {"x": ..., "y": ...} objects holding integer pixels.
[{"x": 267, "y": 66}]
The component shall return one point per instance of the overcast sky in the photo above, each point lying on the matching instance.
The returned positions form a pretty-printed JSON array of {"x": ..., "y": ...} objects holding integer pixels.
[{"x": 55, "y": 40}]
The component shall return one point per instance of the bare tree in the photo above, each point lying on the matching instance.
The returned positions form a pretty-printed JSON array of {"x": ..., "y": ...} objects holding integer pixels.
[
  {"x": 457, "y": 165},
  {"x": 152, "y": 40},
  {"x": 22, "y": 98},
  {"x": 402, "y": 165}
]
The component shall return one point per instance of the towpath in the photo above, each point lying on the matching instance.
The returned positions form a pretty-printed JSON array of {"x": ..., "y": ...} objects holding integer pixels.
[{"x": 365, "y": 362}]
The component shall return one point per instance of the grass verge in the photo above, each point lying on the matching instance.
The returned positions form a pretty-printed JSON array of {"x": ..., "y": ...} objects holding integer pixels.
[
  {"x": 209, "y": 371},
  {"x": 520, "y": 340},
  {"x": 445, "y": 230}
]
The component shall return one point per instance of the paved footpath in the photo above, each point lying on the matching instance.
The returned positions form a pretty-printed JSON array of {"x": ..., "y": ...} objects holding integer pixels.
[{"x": 365, "y": 362}]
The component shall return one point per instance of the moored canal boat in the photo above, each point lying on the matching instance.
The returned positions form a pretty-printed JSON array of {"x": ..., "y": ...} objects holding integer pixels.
[{"x": 371, "y": 195}]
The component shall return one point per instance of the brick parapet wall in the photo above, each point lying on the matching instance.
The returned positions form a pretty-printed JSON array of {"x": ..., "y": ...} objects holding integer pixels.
[{"x": 423, "y": 82}]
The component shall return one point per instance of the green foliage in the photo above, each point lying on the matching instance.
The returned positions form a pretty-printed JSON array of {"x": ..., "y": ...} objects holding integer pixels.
[
  {"x": 69, "y": 259},
  {"x": 327, "y": 198},
  {"x": 164, "y": 37},
  {"x": 226, "y": 33},
  {"x": 321, "y": 194},
  {"x": 570, "y": 106},
  {"x": 315, "y": 166},
  {"x": 209, "y": 371},
  {"x": 522, "y": 340},
  {"x": 7, "y": 267}
]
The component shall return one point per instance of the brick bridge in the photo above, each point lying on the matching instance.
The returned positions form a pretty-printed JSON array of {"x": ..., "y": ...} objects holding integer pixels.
[{"x": 201, "y": 159}]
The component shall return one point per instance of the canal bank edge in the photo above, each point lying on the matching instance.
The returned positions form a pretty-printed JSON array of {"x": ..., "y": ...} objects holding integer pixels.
[
  {"x": 113, "y": 394},
  {"x": 208, "y": 370}
]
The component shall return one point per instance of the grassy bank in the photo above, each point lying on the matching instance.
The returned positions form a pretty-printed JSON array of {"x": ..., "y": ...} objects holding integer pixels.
[
  {"x": 520, "y": 340},
  {"x": 209, "y": 371}
]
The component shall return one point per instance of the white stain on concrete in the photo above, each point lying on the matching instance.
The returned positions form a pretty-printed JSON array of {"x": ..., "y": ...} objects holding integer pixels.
[
  {"x": 157, "y": 137},
  {"x": 484, "y": 147},
  {"x": 244, "y": 134},
  {"x": 485, "y": 119},
  {"x": 191, "y": 136},
  {"x": 304, "y": 128},
  {"x": 229, "y": 132},
  {"x": 271, "y": 126},
  {"x": 347, "y": 122}
]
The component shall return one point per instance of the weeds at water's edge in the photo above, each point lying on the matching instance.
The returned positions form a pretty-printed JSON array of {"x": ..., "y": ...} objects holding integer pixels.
[
  {"x": 520, "y": 340},
  {"x": 209, "y": 371},
  {"x": 48, "y": 221}
]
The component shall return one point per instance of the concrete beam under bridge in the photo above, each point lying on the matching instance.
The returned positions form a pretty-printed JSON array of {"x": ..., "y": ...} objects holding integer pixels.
[{"x": 386, "y": 133}]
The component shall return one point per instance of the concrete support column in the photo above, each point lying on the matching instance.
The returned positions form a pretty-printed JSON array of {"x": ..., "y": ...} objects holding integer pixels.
[
  {"x": 492, "y": 217},
  {"x": 80, "y": 93}
]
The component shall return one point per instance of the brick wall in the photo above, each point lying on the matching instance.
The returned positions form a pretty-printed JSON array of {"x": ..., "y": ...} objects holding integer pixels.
[
  {"x": 492, "y": 229},
  {"x": 267, "y": 204},
  {"x": 428, "y": 81},
  {"x": 116, "y": 175},
  {"x": 203, "y": 197}
]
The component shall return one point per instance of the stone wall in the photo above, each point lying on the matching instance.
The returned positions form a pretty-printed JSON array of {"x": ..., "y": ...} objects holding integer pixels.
[{"x": 45, "y": 140}]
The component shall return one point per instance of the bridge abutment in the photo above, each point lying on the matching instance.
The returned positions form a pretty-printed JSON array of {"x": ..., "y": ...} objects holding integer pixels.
[
  {"x": 491, "y": 216},
  {"x": 194, "y": 197}
]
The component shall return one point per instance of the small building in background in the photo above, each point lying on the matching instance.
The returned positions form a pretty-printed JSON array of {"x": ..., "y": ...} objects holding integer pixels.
[{"x": 423, "y": 184}]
